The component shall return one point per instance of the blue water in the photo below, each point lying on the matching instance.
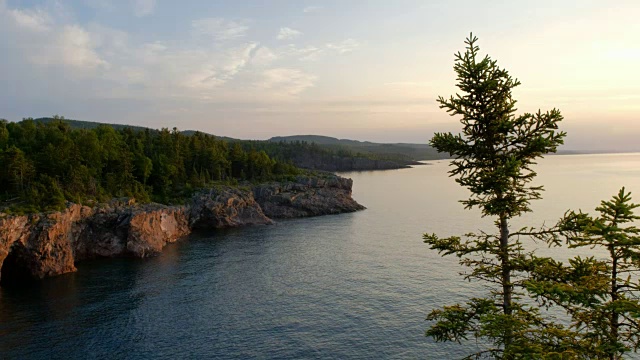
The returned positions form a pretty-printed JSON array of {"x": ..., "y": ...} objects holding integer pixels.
[{"x": 351, "y": 286}]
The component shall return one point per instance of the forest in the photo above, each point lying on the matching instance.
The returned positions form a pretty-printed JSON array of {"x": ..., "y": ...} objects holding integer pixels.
[
  {"x": 47, "y": 164},
  {"x": 308, "y": 151}
]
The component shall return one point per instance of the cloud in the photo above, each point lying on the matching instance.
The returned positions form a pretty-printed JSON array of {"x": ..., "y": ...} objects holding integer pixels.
[
  {"x": 215, "y": 72},
  {"x": 99, "y": 62},
  {"x": 76, "y": 48},
  {"x": 286, "y": 82},
  {"x": 218, "y": 28},
  {"x": 312, "y": 53},
  {"x": 343, "y": 47},
  {"x": 304, "y": 53},
  {"x": 36, "y": 20},
  {"x": 155, "y": 47},
  {"x": 263, "y": 56},
  {"x": 34, "y": 36},
  {"x": 237, "y": 59},
  {"x": 311, "y": 9},
  {"x": 288, "y": 34},
  {"x": 143, "y": 8}
]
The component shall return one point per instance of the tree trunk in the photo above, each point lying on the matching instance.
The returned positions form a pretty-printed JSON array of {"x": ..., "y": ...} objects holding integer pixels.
[
  {"x": 614, "y": 297},
  {"x": 507, "y": 287}
]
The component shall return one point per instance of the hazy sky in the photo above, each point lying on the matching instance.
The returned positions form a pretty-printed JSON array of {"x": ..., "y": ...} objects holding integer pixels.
[{"x": 368, "y": 70}]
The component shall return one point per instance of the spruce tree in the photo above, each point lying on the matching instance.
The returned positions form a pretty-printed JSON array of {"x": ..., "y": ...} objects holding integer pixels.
[
  {"x": 600, "y": 293},
  {"x": 493, "y": 157}
]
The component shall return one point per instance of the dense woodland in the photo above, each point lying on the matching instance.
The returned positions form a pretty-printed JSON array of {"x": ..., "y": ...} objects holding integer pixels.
[
  {"x": 46, "y": 164},
  {"x": 381, "y": 151},
  {"x": 322, "y": 151}
]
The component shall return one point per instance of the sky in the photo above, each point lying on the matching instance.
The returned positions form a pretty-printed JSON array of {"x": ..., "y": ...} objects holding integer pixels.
[{"x": 365, "y": 70}]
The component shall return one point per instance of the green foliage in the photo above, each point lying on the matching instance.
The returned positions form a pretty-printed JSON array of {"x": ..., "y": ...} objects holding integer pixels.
[
  {"x": 393, "y": 152},
  {"x": 493, "y": 158},
  {"x": 602, "y": 295},
  {"x": 49, "y": 163},
  {"x": 496, "y": 149}
]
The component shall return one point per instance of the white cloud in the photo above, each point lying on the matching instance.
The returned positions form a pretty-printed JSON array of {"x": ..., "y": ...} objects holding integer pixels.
[
  {"x": 288, "y": 34},
  {"x": 343, "y": 47},
  {"x": 143, "y": 7},
  {"x": 312, "y": 53},
  {"x": 113, "y": 65},
  {"x": 312, "y": 9},
  {"x": 39, "y": 37},
  {"x": 220, "y": 29},
  {"x": 238, "y": 59},
  {"x": 263, "y": 56},
  {"x": 36, "y": 20},
  {"x": 307, "y": 53},
  {"x": 286, "y": 82},
  {"x": 218, "y": 71},
  {"x": 155, "y": 47},
  {"x": 76, "y": 48}
]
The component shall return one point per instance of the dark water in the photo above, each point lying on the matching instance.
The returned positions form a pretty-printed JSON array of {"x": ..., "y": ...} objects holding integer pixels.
[{"x": 351, "y": 286}]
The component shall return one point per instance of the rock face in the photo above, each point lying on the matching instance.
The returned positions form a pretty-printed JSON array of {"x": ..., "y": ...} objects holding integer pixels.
[
  {"x": 306, "y": 196},
  {"x": 139, "y": 231},
  {"x": 224, "y": 207},
  {"x": 41, "y": 245}
]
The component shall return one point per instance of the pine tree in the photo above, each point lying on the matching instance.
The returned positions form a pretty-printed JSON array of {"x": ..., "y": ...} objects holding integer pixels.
[
  {"x": 493, "y": 158},
  {"x": 601, "y": 294}
]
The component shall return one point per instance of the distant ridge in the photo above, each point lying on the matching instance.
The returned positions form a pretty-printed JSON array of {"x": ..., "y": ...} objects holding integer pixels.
[
  {"x": 309, "y": 151},
  {"x": 319, "y": 139},
  {"x": 406, "y": 151},
  {"x": 80, "y": 124}
]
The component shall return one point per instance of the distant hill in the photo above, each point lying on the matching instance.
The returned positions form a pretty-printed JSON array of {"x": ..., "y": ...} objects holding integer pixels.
[
  {"x": 318, "y": 139},
  {"x": 80, "y": 124},
  {"x": 310, "y": 152},
  {"x": 399, "y": 151},
  {"x": 320, "y": 152},
  {"x": 225, "y": 138}
]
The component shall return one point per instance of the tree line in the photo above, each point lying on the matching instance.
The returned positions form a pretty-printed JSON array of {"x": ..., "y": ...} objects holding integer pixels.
[
  {"x": 46, "y": 164},
  {"x": 494, "y": 156},
  {"x": 299, "y": 150}
]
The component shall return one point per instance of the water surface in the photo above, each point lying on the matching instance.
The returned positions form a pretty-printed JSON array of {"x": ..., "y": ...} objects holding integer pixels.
[{"x": 351, "y": 286}]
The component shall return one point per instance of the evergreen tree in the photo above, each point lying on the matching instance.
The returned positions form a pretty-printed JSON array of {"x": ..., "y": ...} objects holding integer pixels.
[
  {"x": 493, "y": 158},
  {"x": 602, "y": 295},
  {"x": 47, "y": 164}
]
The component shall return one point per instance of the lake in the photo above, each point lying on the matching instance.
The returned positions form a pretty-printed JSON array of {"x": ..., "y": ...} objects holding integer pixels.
[{"x": 350, "y": 286}]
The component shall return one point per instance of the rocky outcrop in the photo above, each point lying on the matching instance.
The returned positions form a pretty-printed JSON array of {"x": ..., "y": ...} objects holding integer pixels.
[
  {"x": 306, "y": 196},
  {"x": 138, "y": 231},
  {"x": 41, "y": 245},
  {"x": 224, "y": 207}
]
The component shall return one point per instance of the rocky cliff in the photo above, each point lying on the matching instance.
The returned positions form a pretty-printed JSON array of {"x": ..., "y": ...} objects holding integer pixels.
[
  {"x": 41, "y": 245},
  {"x": 307, "y": 196}
]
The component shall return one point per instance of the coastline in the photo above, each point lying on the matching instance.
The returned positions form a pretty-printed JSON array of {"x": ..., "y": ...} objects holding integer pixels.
[{"x": 42, "y": 245}]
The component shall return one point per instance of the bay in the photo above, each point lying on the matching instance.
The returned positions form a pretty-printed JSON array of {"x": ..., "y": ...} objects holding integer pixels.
[{"x": 350, "y": 286}]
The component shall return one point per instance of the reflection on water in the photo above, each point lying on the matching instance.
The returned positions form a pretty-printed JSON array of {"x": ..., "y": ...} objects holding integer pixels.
[{"x": 348, "y": 286}]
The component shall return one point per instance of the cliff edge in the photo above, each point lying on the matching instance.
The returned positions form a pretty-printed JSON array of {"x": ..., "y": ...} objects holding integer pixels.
[{"x": 41, "y": 245}]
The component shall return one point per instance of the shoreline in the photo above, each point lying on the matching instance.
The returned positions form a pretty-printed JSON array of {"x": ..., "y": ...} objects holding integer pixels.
[{"x": 41, "y": 245}]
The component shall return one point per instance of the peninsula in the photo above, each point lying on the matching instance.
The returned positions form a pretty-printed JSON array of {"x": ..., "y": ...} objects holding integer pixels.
[{"x": 75, "y": 194}]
